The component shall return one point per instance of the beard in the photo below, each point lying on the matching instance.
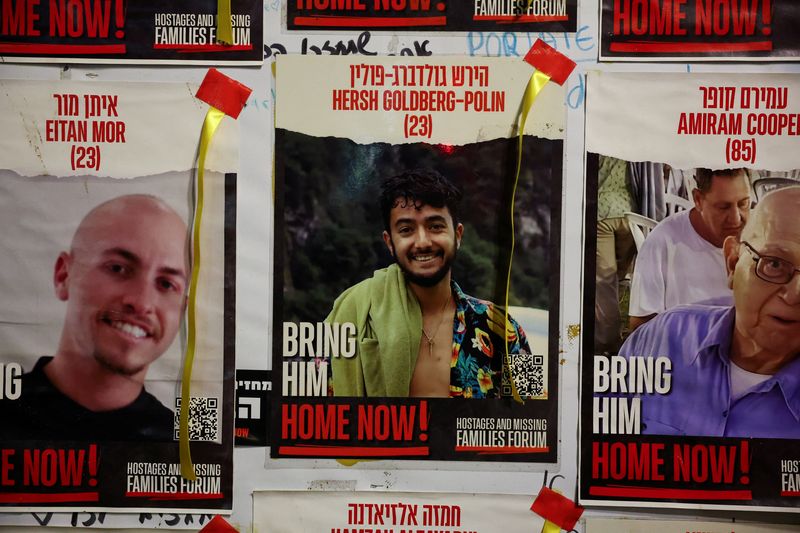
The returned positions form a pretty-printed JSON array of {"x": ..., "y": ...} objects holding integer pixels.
[{"x": 429, "y": 280}]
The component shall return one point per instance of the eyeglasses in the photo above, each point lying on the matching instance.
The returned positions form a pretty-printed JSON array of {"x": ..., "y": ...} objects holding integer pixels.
[{"x": 772, "y": 269}]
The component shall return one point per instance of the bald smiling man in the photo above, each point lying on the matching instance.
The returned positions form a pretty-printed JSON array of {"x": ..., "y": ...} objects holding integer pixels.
[
  {"x": 735, "y": 371},
  {"x": 124, "y": 280}
]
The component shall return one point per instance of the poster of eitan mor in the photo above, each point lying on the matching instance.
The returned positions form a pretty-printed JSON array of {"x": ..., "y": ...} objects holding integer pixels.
[
  {"x": 397, "y": 332},
  {"x": 699, "y": 30},
  {"x": 101, "y": 280},
  {"x": 691, "y": 357},
  {"x": 123, "y": 31}
]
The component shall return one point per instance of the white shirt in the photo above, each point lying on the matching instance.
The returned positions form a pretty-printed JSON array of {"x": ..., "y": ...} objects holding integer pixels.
[
  {"x": 677, "y": 266},
  {"x": 743, "y": 380}
]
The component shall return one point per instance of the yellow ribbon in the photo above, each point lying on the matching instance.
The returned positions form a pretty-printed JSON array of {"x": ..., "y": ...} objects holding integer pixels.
[
  {"x": 274, "y": 125},
  {"x": 212, "y": 120},
  {"x": 535, "y": 84},
  {"x": 550, "y": 527},
  {"x": 224, "y": 27}
]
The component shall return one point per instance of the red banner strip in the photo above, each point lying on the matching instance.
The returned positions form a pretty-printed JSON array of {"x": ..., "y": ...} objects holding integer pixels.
[
  {"x": 203, "y": 47},
  {"x": 671, "y": 494},
  {"x": 30, "y": 497},
  {"x": 369, "y": 22},
  {"x": 790, "y": 493},
  {"x": 357, "y": 451},
  {"x": 689, "y": 47},
  {"x": 62, "y": 49},
  {"x": 521, "y": 18},
  {"x": 175, "y": 495},
  {"x": 501, "y": 449}
]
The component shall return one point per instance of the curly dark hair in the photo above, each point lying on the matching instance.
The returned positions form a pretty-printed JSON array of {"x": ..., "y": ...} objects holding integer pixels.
[{"x": 419, "y": 187}]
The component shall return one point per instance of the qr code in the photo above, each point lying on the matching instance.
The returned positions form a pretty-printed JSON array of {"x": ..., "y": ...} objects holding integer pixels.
[
  {"x": 528, "y": 373},
  {"x": 203, "y": 419}
]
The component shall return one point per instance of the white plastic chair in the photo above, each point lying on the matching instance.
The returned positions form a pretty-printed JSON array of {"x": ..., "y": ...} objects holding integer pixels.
[
  {"x": 640, "y": 226},
  {"x": 676, "y": 203}
]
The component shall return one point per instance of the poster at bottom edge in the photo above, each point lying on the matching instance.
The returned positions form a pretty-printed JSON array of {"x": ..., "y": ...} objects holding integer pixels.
[
  {"x": 399, "y": 512},
  {"x": 630, "y": 525}
]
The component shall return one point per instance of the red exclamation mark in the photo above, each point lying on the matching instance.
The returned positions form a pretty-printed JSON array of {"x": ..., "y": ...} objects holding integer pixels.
[
  {"x": 744, "y": 461},
  {"x": 93, "y": 465},
  {"x": 766, "y": 16},
  {"x": 119, "y": 15},
  {"x": 423, "y": 420}
]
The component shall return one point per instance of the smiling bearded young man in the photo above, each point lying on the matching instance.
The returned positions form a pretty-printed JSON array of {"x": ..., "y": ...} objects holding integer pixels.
[
  {"x": 124, "y": 281},
  {"x": 418, "y": 334}
]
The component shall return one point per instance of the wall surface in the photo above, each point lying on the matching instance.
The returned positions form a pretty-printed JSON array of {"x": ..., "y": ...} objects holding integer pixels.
[{"x": 253, "y": 468}]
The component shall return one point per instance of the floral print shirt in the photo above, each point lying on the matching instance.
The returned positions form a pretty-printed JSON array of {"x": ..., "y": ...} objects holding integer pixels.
[{"x": 476, "y": 364}]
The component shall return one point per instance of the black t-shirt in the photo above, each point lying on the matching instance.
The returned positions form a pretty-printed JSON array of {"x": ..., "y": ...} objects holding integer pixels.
[{"x": 42, "y": 412}]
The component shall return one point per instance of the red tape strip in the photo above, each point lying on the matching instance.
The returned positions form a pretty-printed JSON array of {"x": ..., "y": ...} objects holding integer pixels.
[
  {"x": 224, "y": 93},
  {"x": 556, "y": 508},
  {"x": 547, "y": 59},
  {"x": 218, "y": 525}
]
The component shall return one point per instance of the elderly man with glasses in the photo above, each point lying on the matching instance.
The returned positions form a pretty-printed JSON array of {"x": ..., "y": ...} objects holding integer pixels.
[{"x": 735, "y": 371}]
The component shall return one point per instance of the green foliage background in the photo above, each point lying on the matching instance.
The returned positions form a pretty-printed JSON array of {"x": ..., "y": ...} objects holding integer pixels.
[{"x": 329, "y": 230}]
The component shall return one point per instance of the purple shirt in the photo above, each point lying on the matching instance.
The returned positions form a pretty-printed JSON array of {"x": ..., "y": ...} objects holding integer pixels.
[{"x": 697, "y": 340}]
